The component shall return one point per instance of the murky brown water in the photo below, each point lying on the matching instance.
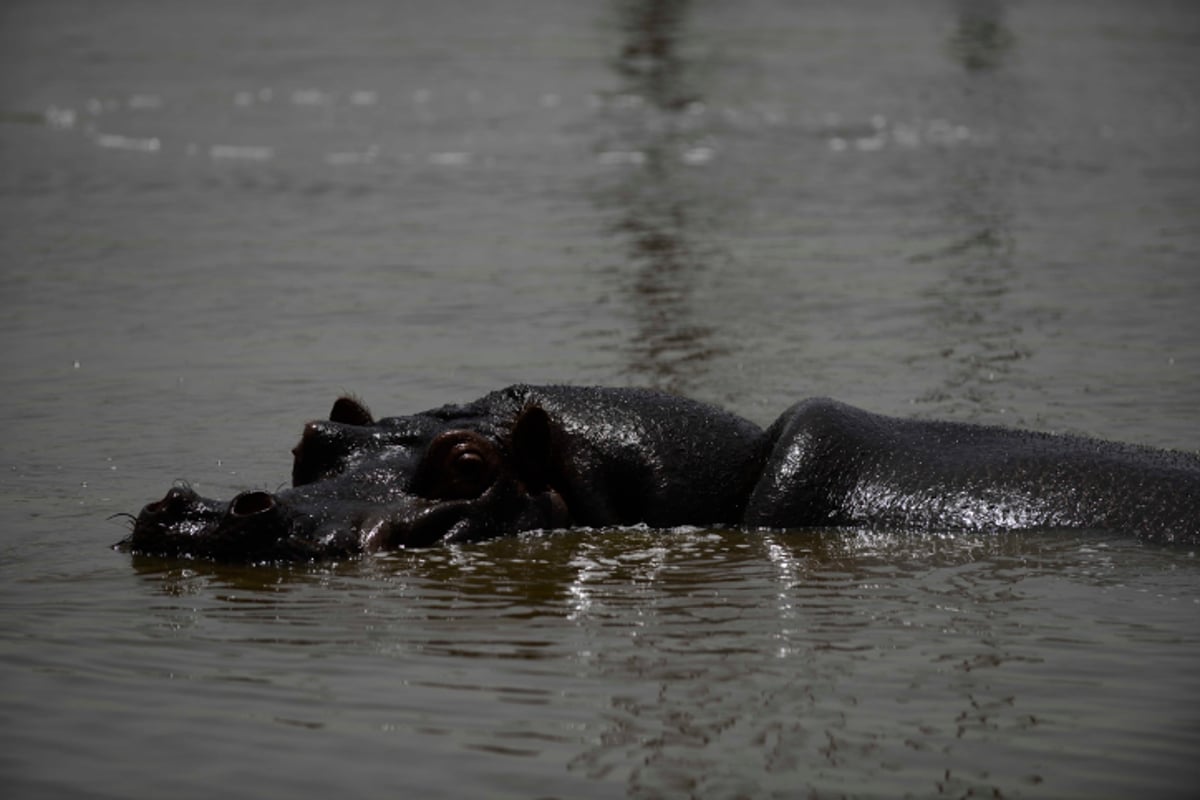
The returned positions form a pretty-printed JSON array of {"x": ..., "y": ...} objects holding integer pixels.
[{"x": 217, "y": 217}]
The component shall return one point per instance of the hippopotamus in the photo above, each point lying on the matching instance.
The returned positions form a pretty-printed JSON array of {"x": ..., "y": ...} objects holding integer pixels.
[{"x": 546, "y": 457}]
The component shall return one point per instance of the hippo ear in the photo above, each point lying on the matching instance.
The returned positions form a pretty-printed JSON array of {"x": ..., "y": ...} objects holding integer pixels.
[
  {"x": 535, "y": 450},
  {"x": 349, "y": 411}
]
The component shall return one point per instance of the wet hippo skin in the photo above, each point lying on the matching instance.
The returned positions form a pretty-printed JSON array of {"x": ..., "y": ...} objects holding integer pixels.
[{"x": 530, "y": 457}]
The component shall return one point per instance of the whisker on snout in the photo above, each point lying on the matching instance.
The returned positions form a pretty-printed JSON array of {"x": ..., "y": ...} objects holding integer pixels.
[{"x": 130, "y": 518}]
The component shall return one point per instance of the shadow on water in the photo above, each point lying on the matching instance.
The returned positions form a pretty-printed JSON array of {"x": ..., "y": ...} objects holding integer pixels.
[
  {"x": 654, "y": 144},
  {"x": 971, "y": 304}
]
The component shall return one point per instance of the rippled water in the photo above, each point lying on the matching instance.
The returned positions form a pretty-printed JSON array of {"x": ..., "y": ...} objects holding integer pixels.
[
  {"x": 633, "y": 663},
  {"x": 217, "y": 217}
]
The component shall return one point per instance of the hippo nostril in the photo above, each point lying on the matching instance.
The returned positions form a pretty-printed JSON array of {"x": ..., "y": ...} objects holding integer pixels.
[
  {"x": 250, "y": 503},
  {"x": 175, "y": 500}
]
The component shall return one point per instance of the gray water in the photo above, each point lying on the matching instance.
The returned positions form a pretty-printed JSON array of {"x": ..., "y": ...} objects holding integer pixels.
[{"x": 216, "y": 217}]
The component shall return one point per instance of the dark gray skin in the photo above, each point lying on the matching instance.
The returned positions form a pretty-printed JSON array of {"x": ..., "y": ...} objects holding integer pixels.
[{"x": 527, "y": 458}]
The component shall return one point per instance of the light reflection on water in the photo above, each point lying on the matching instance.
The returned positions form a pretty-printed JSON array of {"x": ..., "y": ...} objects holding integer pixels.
[
  {"x": 727, "y": 662},
  {"x": 639, "y": 662}
]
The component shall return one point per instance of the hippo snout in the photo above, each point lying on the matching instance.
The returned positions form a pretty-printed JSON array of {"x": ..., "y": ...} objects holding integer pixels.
[
  {"x": 176, "y": 501},
  {"x": 181, "y": 504},
  {"x": 298, "y": 524},
  {"x": 181, "y": 510},
  {"x": 254, "y": 525}
]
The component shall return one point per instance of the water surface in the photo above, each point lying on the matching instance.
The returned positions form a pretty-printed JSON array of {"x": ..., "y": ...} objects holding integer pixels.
[{"x": 218, "y": 217}]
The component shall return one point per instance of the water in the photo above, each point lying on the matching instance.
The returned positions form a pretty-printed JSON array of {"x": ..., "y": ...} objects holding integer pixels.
[{"x": 217, "y": 217}]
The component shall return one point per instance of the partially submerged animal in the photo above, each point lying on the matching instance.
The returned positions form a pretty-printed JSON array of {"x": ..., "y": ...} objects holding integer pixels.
[{"x": 541, "y": 457}]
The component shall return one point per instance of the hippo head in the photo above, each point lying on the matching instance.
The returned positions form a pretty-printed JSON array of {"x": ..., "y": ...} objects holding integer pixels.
[{"x": 361, "y": 485}]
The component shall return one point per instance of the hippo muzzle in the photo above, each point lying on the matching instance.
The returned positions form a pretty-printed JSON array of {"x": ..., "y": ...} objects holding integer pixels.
[
  {"x": 259, "y": 526},
  {"x": 359, "y": 486},
  {"x": 253, "y": 526}
]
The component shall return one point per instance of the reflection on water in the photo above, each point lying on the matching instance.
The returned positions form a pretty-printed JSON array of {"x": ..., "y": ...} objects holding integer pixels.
[
  {"x": 650, "y": 62},
  {"x": 657, "y": 139},
  {"x": 723, "y": 663},
  {"x": 981, "y": 330},
  {"x": 981, "y": 41}
]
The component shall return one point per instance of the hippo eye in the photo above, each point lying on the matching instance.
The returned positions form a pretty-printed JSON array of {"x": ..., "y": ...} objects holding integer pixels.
[
  {"x": 460, "y": 465},
  {"x": 468, "y": 462}
]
